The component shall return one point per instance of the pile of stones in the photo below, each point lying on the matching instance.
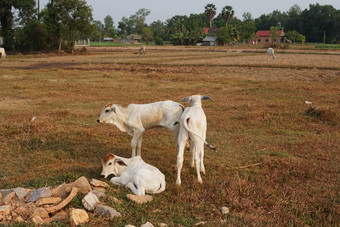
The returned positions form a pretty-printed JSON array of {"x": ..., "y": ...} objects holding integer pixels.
[{"x": 47, "y": 204}]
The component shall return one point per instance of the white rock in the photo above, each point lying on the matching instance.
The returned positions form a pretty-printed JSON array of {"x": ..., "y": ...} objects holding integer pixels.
[
  {"x": 5, "y": 209},
  {"x": 78, "y": 216},
  {"x": 8, "y": 198},
  {"x": 41, "y": 212},
  {"x": 200, "y": 223},
  {"x": 98, "y": 183},
  {"x": 106, "y": 211},
  {"x": 139, "y": 198},
  {"x": 225, "y": 210},
  {"x": 89, "y": 201},
  {"x": 147, "y": 224},
  {"x": 83, "y": 185},
  {"x": 20, "y": 192},
  {"x": 129, "y": 226},
  {"x": 40, "y": 193},
  {"x": 162, "y": 225},
  {"x": 308, "y": 102},
  {"x": 33, "y": 119},
  {"x": 37, "y": 220},
  {"x": 99, "y": 194}
]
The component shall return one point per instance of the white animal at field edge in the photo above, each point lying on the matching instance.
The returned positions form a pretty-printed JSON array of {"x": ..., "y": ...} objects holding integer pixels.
[
  {"x": 270, "y": 53},
  {"x": 193, "y": 126},
  {"x": 2, "y": 52},
  {"x": 133, "y": 173},
  {"x": 136, "y": 118}
]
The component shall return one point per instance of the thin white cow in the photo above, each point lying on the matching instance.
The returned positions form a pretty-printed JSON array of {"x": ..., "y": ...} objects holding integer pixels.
[
  {"x": 2, "y": 52},
  {"x": 133, "y": 173},
  {"x": 270, "y": 53},
  {"x": 136, "y": 118},
  {"x": 193, "y": 126}
]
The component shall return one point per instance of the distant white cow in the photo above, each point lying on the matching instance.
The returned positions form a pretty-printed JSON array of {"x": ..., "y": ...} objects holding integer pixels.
[
  {"x": 270, "y": 53},
  {"x": 193, "y": 126},
  {"x": 142, "y": 49},
  {"x": 133, "y": 173},
  {"x": 2, "y": 52},
  {"x": 136, "y": 118}
]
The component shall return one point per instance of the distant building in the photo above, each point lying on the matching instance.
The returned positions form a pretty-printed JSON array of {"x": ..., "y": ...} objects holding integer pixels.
[
  {"x": 209, "y": 31},
  {"x": 108, "y": 39},
  {"x": 210, "y": 41},
  {"x": 134, "y": 38},
  {"x": 210, "y": 38},
  {"x": 264, "y": 37}
]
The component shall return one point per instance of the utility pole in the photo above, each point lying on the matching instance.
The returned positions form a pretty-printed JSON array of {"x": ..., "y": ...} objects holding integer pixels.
[{"x": 324, "y": 37}]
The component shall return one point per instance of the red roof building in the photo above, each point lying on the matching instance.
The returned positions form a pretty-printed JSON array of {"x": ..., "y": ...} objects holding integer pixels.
[{"x": 264, "y": 37}]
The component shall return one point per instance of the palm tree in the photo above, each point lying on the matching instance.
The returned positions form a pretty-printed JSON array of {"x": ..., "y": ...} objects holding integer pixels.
[
  {"x": 227, "y": 13},
  {"x": 210, "y": 11}
]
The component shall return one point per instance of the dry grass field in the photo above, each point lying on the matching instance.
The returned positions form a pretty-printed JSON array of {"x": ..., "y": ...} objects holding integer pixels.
[{"x": 258, "y": 115}]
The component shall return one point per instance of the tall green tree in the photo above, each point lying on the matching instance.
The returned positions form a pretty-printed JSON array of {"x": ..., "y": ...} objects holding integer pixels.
[
  {"x": 27, "y": 11},
  {"x": 66, "y": 19},
  {"x": 274, "y": 35},
  {"x": 109, "y": 29},
  {"x": 248, "y": 27},
  {"x": 158, "y": 29},
  {"x": 135, "y": 23},
  {"x": 320, "y": 20},
  {"x": 210, "y": 11},
  {"x": 227, "y": 34},
  {"x": 294, "y": 21},
  {"x": 227, "y": 13},
  {"x": 147, "y": 34}
]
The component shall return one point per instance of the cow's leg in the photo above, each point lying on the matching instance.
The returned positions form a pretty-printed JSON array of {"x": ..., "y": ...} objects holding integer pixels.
[
  {"x": 192, "y": 153},
  {"x": 116, "y": 180},
  {"x": 136, "y": 134},
  {"x": 182, "y": 139},
  {"x": 198, "y": 145},
  {"x": 138, "y": 191},
  {"x": 139, "y": 145}
]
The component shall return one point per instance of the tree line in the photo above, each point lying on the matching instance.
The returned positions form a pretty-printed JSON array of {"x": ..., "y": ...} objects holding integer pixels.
[{"x": 61, "y": 22}]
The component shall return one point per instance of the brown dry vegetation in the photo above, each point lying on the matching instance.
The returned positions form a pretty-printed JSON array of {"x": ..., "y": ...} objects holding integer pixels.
[{"x": 258, "y": 116}]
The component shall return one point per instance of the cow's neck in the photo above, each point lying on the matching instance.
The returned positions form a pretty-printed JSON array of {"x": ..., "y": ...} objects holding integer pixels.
[{"x": 122, "y": 114}]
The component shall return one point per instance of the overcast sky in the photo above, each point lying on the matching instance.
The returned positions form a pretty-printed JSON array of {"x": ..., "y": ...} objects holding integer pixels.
[{"x": 165, "y": 9}]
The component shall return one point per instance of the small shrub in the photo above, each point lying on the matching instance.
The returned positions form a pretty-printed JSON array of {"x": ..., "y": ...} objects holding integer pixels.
[{"x": 159, "y": 41}]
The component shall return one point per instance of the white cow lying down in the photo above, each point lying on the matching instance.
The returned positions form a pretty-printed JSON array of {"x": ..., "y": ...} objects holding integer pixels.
[
  {"x": 136, "y": 118},
  {"x": 2, "y": 52},
  {"x": 133, "y": 173}
]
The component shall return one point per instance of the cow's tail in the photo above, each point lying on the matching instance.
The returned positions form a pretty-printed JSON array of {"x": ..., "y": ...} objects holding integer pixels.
[{"x": 192, "y": 132}]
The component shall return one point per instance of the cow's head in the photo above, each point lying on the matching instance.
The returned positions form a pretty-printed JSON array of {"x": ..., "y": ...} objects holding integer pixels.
[
  {"x": 108, "y": 114},
  {"x": 112, "y": 165},
  {"x": 195, "y": 98}
]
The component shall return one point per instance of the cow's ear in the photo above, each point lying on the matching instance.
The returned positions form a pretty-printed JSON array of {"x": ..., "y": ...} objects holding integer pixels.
[
  {"x": 186, "y": 99},
  {"x": 114, "y": 107},
  {"x": 120, "y": 162},
  {"x": 205, "y": 98}
]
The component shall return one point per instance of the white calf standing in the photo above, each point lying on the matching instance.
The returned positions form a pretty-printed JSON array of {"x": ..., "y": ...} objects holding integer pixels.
[
  {"x": 193, "y": 126},
  {"x": 136, "y": 118},
  {"x": 2, "y": 52},
  {"x": 270, "y": 53},
  {"x": 133, "y": 173}
]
